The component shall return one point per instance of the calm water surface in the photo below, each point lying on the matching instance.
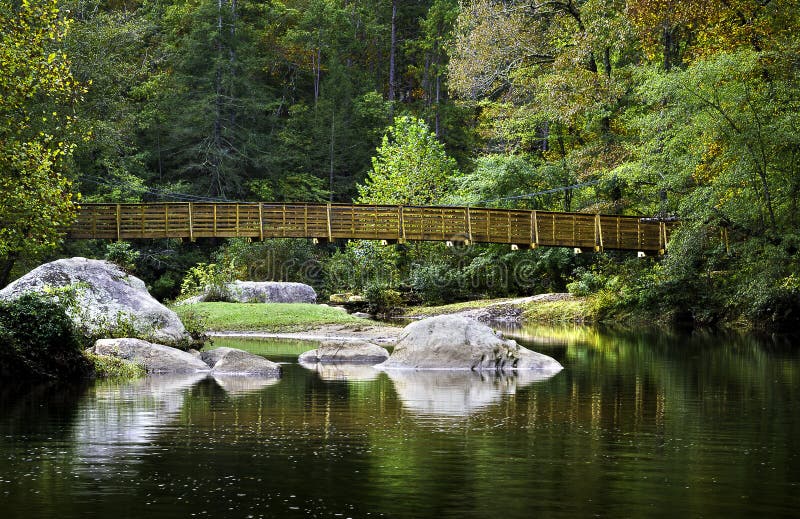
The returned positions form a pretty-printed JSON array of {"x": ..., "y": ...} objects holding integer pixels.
[{"x": 635, "y": 426}]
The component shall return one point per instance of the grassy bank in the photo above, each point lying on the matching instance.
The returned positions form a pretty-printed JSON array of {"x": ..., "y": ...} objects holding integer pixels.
[
  {"x": 452, "y": 308},
  {"x": 567, "y": 311},
  {"x": 575, "y": 310},
  {"x": 267, "y": 317}
]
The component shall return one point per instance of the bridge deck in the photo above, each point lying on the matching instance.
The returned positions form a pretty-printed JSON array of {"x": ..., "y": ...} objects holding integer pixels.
[{"x": 372, "y": 222}]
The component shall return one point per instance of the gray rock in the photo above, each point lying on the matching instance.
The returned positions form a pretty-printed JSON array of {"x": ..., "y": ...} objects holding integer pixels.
[
  {"x": 458, "y": 342},
  {"x": 270, "y": 292},
  {"x": 107, "y": 299},
  {"x": 156, "y": 358},
  {"x": 345, "y": 352},
  {"x": 231, "y": 361}
]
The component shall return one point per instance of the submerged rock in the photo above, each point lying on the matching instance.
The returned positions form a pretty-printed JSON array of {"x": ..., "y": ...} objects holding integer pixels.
[
  {"x": 345, "y": 352},
  {"x": 458, "y": 342},
  {"x": 231, "y": 361},
  {"x": 156, "y": 358},
  {"x": 107, "y": 299}
]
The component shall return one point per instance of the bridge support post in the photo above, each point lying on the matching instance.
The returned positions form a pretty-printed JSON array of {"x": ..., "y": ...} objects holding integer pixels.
[
  {"x": 119, "y": 222},
  {"x": 330, "y": 231},
  {"x": 598, "y": 234},
  {"x": 261, "y": 221},
  {"x": 191, "y": 223}
]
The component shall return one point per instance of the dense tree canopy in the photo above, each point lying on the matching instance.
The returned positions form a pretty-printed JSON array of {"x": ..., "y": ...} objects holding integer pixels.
[{"x": 649, "y": 107}]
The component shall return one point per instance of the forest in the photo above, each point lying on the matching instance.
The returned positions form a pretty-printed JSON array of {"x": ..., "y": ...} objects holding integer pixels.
[{"x": 687, "y": 111}]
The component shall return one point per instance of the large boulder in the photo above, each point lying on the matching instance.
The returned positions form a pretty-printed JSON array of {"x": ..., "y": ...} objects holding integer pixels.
[
  {"x": 345, "y": 352},
  {"x": 156, "y": 358},
  {"x": 458, "y": 342},
  {"x": 107, "y": 299},
  {"x": 269, "y": 292},
  {"x": 231, "y": 361}
]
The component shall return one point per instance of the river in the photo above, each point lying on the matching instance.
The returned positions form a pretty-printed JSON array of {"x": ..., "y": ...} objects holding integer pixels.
[{"x": 636, "y": 425}]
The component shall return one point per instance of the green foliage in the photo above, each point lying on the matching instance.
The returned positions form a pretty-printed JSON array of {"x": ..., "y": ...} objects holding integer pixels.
[
  {"x": 37, "y": 93},
  {"x": 362, "y": 263},
  {"x": 106, "y": 366},
  {"x": 206, "y": 278},
  {"x": 272, "y": 260},
  {"x": 382, "y": 300},
  {"x": 196, "y": 324},
  {"x": 38, "y": 339},
  {"x": 411, "y": 167},
  {"x": 122, "y": 254}
]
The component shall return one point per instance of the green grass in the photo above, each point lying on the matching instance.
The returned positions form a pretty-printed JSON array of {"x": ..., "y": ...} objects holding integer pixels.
[
  {"x": 451, "y": 308},
  {"x": 575, "y": 310},
  {"x": 268, "y": 317},
  {"x": 106, "y": 366}
]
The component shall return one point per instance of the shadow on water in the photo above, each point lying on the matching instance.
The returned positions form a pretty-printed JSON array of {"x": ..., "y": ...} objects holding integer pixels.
[{"x": 35, "y": 408}]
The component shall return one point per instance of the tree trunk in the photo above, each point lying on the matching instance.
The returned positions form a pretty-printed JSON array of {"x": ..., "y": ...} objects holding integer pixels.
[
  {"x": 5, "y": 268},
  {"x": 216, "y": 180},
  {"x": 393, "y": 53},
  {"x": 667, "y": 49},
  {"x": 330, "y": 173}
]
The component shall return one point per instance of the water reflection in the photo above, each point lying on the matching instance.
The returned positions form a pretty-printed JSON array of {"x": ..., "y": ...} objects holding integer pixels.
[
  {"x": 124, "y": 418},
  {"x": 636, "y": 425},
  {"x": 457, "y": 393},
  {"x": 238, "y": 385},
  {"x": 343, "y": 372}
]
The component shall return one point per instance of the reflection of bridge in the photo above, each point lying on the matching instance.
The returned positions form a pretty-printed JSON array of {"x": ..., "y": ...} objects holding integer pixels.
[{"x": 394, "y": 224}]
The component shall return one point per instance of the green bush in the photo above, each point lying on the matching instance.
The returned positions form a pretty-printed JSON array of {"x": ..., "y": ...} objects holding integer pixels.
[
  {"x": 209, "y": 279},
  {"x": 382, "y": 300},
  {"x": 39, "y": 340},
  {"x": 122, "y": 254},
  {"x": 106, "y": 366}
]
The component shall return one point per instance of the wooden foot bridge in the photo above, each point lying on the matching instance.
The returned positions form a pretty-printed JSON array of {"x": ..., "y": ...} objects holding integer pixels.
[{"x": 391, "y": 224}]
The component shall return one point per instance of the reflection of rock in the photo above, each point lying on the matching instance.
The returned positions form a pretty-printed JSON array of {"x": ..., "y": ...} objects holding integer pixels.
[
  {"x": 352, "y": 372},
  {"x": 231, "y": 361},
  {"x": 457, "y": 393},
  {"x": 239, "y": 385},
  {"x": 346, "y": 352},
  {"x": 458, "y": 342},
  {"x": 155, "y": 358},
  {"x": 107, "y": 298},
  {"x": 126, "y": 417}
]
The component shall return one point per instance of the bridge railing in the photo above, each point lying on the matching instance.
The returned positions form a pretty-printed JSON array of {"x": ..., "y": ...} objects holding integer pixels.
[{"x": 375, "y": 222}]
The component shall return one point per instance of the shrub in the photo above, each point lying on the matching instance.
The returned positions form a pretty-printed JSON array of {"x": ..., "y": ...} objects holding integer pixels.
[
  {"x": 123, "y": 255},
  {"x": 206, "y": 278},
  {"x": 382, "y": 300},
  {"x": 196, "y": 324},
  {"x": 106, "y": 366},
  {"x": 39, "y": 340}
]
